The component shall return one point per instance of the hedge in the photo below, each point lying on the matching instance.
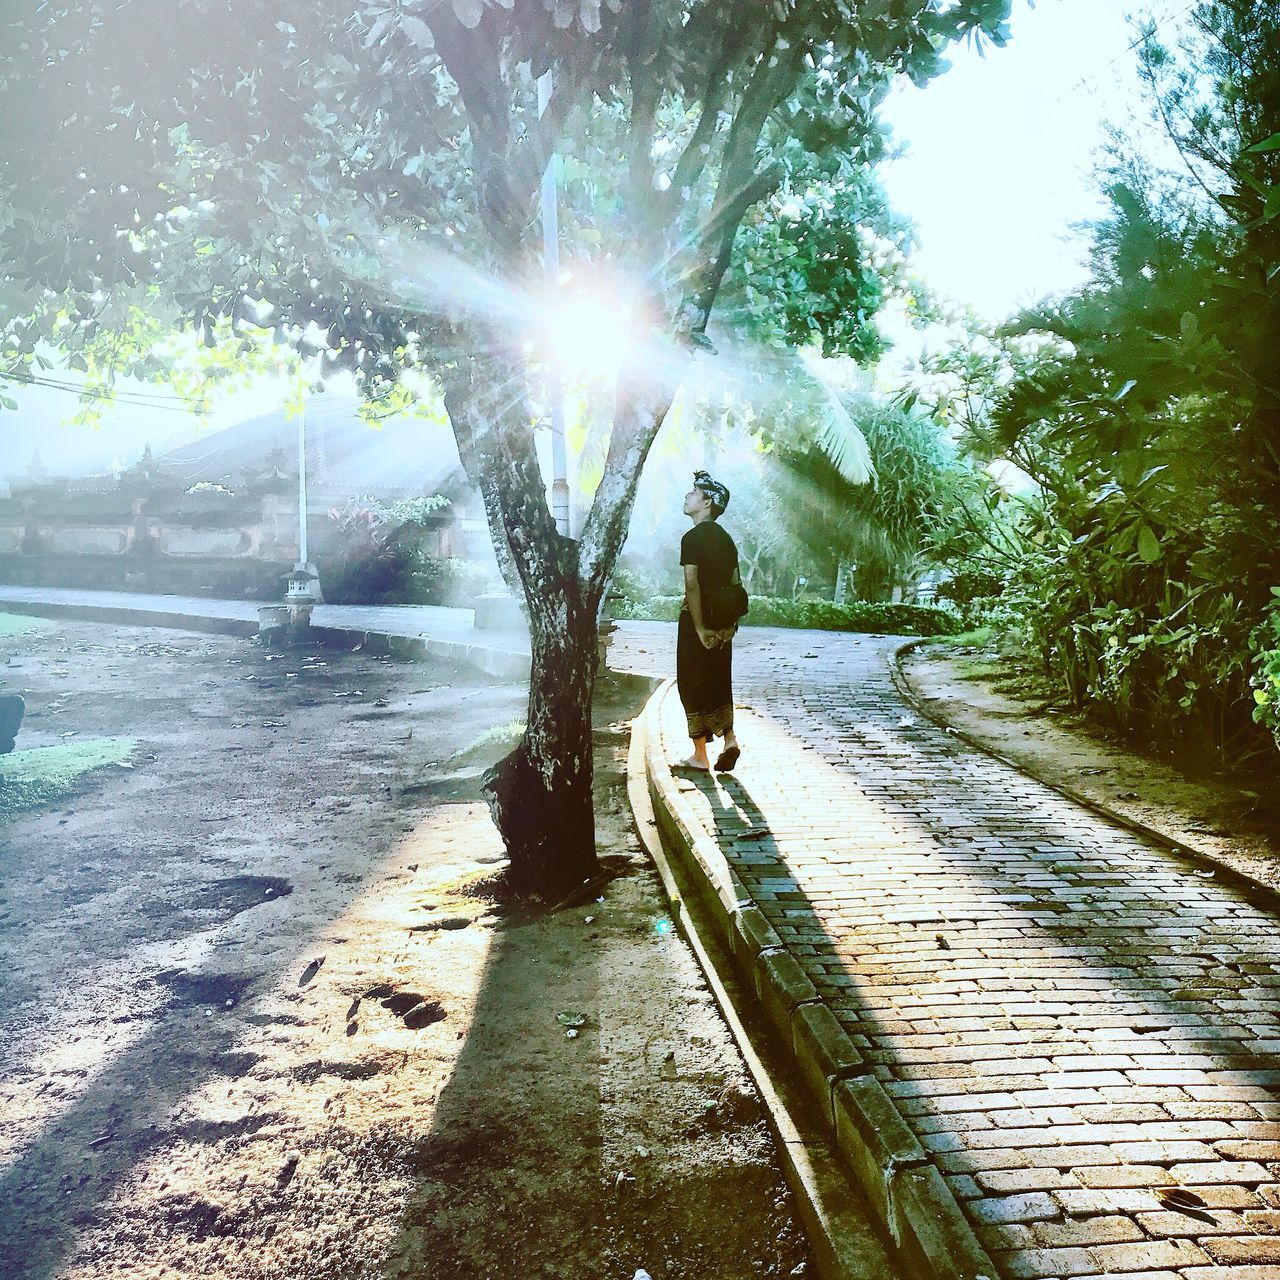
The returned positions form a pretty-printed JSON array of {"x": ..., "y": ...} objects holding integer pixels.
[{"x": 820, "y": 615}]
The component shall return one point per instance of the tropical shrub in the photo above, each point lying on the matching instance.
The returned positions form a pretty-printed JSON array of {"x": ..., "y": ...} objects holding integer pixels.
[
  {"x": 1151, "y": 426},
  {"x": 875, "y": 535},
  {"x": 873, "y": 618},
  {"x": 1266, "y": 680},
  {"x": 367, "y": 567},
  {"x": 380, "y": 558},
  {"x": 447, "y": 580}
]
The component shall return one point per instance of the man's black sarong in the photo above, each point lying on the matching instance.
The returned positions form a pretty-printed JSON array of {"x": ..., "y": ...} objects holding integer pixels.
[{"x": 704, "y": 676}]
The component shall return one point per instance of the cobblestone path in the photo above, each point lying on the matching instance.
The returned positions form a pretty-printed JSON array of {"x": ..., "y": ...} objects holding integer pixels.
[{"x": 1073, "y": 1022}]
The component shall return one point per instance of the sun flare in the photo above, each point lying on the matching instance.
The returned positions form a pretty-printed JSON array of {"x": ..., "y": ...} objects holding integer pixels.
[{"x": 591, "y": 335}]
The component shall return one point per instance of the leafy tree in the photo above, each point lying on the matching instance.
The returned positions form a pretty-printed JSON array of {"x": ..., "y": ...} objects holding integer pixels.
[
  {"x": 1153, "y": 426},
  {"x": 879, "y": 533},
  {"x": 362, "y": 179}
]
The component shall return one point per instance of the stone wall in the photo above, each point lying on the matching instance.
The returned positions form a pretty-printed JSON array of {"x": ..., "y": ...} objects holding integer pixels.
[
  {"x": 164, "y": 575},
  {"x": 144, "y": 532}
]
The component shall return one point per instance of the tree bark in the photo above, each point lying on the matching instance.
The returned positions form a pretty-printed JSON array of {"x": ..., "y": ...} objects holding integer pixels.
[{"x": 540, "y": 795}]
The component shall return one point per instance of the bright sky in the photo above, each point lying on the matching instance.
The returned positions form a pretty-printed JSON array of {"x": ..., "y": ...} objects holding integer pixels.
[{"x": 1000, "y": 150}]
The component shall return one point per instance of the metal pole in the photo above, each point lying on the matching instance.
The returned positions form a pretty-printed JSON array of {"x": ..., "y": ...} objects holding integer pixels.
[
  {"x": 551, "y": 271},
  {"x": 302, "y": 487}
]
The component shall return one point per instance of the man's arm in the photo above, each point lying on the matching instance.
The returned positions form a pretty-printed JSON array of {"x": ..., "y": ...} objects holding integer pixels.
[{"x": 693, "y": 598}]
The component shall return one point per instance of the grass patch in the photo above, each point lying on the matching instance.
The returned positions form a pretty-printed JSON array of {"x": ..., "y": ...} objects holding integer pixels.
[
  {"x": 19, "y": 624},
  {"x": 501, "y": 738},
  {"x": 978, "y": 638},
  {"x": 981, "y": 669},
  {"x": 42, "y": 775}
]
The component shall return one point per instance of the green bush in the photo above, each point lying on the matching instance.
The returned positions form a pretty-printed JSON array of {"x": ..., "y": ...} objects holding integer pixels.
[
  {"x": 819, "y": 615},
  {"x": 650, "y": 609},
  {"x": 972, "y": 591},
  {"x": 1158, "y": 649},
  {"x": 448, "y": 581},
  {"x": 1265, "y": 643}
]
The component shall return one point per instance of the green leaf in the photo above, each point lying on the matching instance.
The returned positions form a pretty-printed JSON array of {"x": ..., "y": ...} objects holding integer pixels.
[
  {"x": 468, "y": 12},
  {"x": 1267, "y": 144},
  {"x": 1148, "y": 545},
  {"x": 418, "y": 32}
]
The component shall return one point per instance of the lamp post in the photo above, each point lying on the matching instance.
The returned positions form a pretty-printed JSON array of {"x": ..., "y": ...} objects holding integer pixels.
[
  {"x": 303, "y": 587},
  {"x": 302, "y": 487},
  {"x": 551, "y": 273}
]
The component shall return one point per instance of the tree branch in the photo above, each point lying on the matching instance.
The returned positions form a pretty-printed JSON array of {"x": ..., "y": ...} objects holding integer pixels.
[
  {"x": 641, "y": 408},
  {"x": 712, "y": 258},
  {"x": 484, "y": 394},
  {"x": 473, "y": 59},
  {"x": 738, "y": 188},
  {"x": 693, "y": 159},
  {"x": 644, "y": 110},
  {"x": 771, "y": 80}
]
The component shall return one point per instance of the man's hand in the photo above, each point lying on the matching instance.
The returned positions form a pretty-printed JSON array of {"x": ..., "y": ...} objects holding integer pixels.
[{"x": 710, "y": 639}]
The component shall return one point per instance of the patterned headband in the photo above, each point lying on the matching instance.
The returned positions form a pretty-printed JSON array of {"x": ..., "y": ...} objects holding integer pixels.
[{"x": 718, "y": 493}]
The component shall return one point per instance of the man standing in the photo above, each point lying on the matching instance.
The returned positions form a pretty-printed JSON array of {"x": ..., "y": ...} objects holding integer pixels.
[{"x": 704, "y": 642}]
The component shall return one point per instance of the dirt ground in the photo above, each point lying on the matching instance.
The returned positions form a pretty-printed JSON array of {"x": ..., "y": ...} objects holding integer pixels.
[
  {"x": 1232, "y": 821},
  {"x": 262, "y": 1018}
]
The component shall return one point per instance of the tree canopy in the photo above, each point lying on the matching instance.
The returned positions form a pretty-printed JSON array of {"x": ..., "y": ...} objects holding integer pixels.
[{"x": 362, "y": 180}]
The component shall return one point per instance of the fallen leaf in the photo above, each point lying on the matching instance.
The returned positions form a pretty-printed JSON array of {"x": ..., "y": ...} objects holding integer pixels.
[{"x": 1181, "y": 1200}]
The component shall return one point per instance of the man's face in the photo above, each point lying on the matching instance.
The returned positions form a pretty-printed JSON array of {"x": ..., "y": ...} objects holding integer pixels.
[{"x": 695, "y": 502}]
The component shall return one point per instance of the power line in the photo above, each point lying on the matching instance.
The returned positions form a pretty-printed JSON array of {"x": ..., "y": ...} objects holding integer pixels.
[
  {"x": 139, "y": 399},
  {"x": 165, "y": 403}
]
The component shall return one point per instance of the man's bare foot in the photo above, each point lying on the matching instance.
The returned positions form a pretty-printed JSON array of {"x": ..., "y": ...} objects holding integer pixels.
[{"x": 700, "y": 763}]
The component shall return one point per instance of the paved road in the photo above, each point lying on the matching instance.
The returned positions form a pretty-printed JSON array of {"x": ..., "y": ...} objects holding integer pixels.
[{"x": 1070, "y": 1019}]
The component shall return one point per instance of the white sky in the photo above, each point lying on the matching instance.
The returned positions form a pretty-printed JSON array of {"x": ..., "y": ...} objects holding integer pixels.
[{"x": 1000, "y": 150}]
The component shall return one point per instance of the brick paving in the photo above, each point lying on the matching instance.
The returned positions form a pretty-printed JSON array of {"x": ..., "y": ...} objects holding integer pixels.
[{"x": 1071, "y": 1020}]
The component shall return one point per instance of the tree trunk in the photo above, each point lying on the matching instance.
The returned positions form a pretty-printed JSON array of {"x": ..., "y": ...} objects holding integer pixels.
[
  {"x": 540, "y": 795},
  {"x": 842, "y": 581}
]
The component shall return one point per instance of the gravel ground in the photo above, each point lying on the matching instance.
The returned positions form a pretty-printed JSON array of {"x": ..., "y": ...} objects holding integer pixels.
[{"x": 265, "y": 1015}]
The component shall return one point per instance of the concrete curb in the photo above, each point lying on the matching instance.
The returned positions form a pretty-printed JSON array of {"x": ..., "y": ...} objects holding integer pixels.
[
  {"x": 845, "y": 1237},
  {"x": 1224, "y": 872},
  {"x": 502, "y": 664},
  {"x": 906, "y": 1193},
  {"x": 132, "y": 617}
]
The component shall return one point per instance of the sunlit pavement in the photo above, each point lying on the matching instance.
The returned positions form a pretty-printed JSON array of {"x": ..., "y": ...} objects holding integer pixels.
[
  {"x": 646, "y": 648},
  {"x": 1083, "y": 1033},
  {"x": 642, "y": 647}
]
